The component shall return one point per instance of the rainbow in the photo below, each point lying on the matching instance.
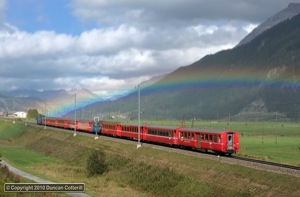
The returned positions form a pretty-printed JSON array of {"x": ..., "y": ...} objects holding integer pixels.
[{"x": 195, "y": 81}]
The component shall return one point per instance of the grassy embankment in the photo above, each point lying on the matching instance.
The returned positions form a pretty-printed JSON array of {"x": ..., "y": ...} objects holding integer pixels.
[
  {"x": 20, "y": 157},
  {"x": 61, "y": 157}
]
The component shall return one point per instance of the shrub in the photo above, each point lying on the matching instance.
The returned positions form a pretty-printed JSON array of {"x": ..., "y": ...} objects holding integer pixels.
[{"x": 96, "y": 164}]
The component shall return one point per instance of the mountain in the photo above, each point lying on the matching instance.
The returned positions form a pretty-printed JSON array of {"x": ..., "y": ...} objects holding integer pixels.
[
  {"x": 292, "y": 10},
  {"x": 261, "y": 77},
  {"x": 152, "y": 80},
  {"x": 55, "y": 101},
  {"x": 12, "y": 104},
  {"x": 266, "y": 69}
]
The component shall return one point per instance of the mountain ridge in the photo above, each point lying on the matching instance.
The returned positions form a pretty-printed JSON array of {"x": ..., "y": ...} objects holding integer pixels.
[{"x": 292, "y": 10}]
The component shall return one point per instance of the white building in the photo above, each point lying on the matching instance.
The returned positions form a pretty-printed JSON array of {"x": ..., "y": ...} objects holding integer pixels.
[{"x": 20, "y": 114}]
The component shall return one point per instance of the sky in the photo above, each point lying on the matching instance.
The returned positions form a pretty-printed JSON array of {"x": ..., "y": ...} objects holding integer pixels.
[{"x": 110, "y": 46}]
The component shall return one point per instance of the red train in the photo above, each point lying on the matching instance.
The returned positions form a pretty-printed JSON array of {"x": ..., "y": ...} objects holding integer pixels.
[{"x": 218, "y": 141}]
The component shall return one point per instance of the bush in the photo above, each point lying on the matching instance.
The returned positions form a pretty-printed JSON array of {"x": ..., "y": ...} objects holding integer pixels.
[{"x": 96, "y": 164}]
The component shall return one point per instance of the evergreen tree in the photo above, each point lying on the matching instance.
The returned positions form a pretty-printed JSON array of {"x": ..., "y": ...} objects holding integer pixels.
[{"x": 32, "y": 113}]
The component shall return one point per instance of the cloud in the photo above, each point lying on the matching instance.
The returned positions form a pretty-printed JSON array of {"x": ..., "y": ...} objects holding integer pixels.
[
  {"x": 130, "y": 42},
  {"x": 116, "y": 55},
  {"x": 173, "y": 12}
]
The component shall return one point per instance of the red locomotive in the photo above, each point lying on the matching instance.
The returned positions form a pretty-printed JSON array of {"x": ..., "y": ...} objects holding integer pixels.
[{"x": 218, "y": 141}]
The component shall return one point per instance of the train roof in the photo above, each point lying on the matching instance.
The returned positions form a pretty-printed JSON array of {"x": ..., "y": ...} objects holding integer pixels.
[
  {"x": 162, "y": 126},
  {"x": 149, "y": 125}
]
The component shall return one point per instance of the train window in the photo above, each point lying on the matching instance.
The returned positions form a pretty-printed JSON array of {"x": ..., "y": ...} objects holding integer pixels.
[
  {"x": 215, "y": 138},
  {"x": 219, "y": 139},
  {"x": 206, "y": 137},
  {"x": 201, "y": 137},
  {"x": 210, "y": 137},
  {"x": 192, "y": 135}
]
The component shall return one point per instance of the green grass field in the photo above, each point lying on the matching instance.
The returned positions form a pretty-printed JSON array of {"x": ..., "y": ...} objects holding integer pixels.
[
  {"x": 22, "y": 157},
  {"x": 281, "y": 149},
  {"x": 9, "y": 129},
  {"x": 60, "y": 157}
]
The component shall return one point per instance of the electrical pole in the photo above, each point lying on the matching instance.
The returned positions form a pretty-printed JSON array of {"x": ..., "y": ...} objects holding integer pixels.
[
  {"x": 45, "y": 114},
  {"x": 75, "y": 119},
  {"x": 139, "y": 118}
]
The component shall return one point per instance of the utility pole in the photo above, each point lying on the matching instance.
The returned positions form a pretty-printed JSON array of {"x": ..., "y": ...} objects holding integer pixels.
[
  {"x": 75, "y": 119},
  {"x": 139, "y": 118},
  {"x": 45, "y": 127},
  {"x": 13, "y": 111}
]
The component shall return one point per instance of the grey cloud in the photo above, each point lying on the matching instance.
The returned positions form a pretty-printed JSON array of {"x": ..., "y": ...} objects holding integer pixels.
[
  {"x": 140, "y": 39},
  {"x": 175, "y": 12}
]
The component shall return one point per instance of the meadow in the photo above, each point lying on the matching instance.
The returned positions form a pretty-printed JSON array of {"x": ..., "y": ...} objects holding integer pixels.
[
  {"x": 9, "y": 129},
  {"x": 270, "y": 141},
  {"x": 60, "y": 157}
]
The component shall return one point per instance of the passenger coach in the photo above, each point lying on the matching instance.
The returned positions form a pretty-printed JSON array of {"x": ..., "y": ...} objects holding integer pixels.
[{"x": 218, "y": 141}]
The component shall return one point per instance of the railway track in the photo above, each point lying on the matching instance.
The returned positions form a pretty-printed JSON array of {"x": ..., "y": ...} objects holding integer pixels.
[
  {"x": 247, "y": 162},
  {"x": 267, "y": 163}
]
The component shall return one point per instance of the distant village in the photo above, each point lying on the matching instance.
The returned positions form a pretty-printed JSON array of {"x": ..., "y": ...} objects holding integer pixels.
[{"x": 18, "y": 114}]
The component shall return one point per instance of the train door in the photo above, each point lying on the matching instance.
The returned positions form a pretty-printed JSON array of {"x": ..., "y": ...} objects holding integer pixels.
[
  {"x": 230, "y": 141},
  {"x": 198, "y": 140}
]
